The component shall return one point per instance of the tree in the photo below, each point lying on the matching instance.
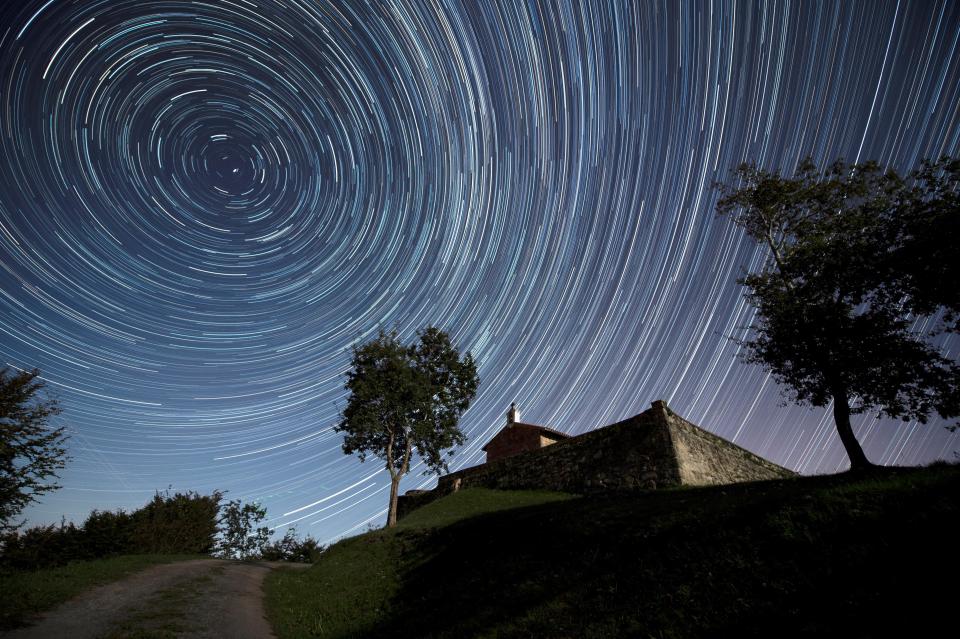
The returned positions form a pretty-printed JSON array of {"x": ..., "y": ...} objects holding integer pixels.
[
  {"x": 836, "y": 301},
  {"x": 922, "y": 239},
  {"x": 239, "y": 536},
  {"x": 405, "y": 399},
  {"x": 31, "y": 449}
]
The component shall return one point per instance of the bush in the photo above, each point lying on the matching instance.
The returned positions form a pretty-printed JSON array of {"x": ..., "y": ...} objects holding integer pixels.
[
  {"x": 106, "y": 533},
  {"x": 182, "y": 524},
  {"x": 41, "y": 546},
  {"x": 291, "y": 548},
  {"x": 178, "y": 524}
]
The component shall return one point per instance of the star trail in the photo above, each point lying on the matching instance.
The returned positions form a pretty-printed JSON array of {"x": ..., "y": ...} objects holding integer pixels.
[{"x": 203, "y": 205}]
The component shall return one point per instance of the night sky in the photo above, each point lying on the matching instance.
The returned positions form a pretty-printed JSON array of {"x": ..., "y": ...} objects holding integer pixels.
[{"x": 203, "y": 205}]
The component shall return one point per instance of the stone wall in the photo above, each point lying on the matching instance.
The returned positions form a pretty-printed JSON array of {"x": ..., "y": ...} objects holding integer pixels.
[
  {"x": 654, "y": 449},
  {"x": 629, "y": 455},
  {"x": 706, "y": 459},
  {"x": 413, "y": 499}
]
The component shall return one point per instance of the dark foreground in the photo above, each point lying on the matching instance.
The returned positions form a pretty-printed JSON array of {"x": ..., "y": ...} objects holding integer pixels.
[{"x": 827, "y": 556}]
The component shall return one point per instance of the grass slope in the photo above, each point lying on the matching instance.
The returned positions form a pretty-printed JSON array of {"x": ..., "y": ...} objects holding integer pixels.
[
  {"x": 825, "y": 555},
  {"x": 27, "y": 593}
]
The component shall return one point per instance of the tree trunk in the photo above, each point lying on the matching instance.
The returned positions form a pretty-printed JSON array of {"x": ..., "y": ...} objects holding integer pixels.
[
  {"x": 841, "y": 415},
  {"x": 394, "y": 491}
]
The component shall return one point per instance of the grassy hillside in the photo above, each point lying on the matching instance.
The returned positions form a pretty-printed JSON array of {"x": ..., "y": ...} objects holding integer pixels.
[
  {"x": 807, "y": 556},
  {"x": 26, "y": 593}
]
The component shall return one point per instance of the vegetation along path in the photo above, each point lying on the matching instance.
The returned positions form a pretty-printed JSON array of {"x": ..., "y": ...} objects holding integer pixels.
[{"x": 202, "y": 598}]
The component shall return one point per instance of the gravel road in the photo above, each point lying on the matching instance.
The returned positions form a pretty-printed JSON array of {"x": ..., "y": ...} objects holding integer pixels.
[{"x": 202, "y": 599}]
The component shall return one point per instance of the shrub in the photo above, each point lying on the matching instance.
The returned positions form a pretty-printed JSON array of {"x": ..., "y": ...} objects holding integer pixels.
[
  {"x": 41, "y": 546},
  {"x": 178, "y": 524},
  {"x": 106, "y": 533},
  {"x": 291, "y": 548},
  {"x": 184, "y": 523}
]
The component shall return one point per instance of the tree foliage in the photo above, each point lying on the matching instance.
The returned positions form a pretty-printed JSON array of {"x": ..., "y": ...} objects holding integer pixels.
[
  {"x": 240, "y": 537},
  {"x": 406, "y": 399},
  {"x": 856, "y": 256},
  {"x": 923, "y": 262},
  {"x": 31, "y": 448}
]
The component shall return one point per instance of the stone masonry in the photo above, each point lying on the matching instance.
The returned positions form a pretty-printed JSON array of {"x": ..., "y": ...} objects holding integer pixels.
[{"x": 654, "y": 449}]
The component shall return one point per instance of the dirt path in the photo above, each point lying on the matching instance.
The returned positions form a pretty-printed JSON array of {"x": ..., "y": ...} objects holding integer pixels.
[{"x": 202, "y": 599}]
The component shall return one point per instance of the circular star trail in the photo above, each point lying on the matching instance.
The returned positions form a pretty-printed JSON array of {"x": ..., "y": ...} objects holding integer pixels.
[{"x": 204, "y": 205}]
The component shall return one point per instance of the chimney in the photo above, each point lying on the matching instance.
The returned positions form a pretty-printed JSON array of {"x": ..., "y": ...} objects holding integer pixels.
[{"x": 513, "y": 414}]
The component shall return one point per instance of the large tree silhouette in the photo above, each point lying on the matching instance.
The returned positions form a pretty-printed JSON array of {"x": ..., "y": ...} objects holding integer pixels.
[{"x": 855, "y": 255}]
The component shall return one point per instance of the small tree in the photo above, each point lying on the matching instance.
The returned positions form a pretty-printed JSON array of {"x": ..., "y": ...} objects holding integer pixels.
[
  {"x": 405, "y": 399},
  {"x": 240, "y": 538},
  {"x": 832, "y": 300},
  {"x": 31, "y": 450}
]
